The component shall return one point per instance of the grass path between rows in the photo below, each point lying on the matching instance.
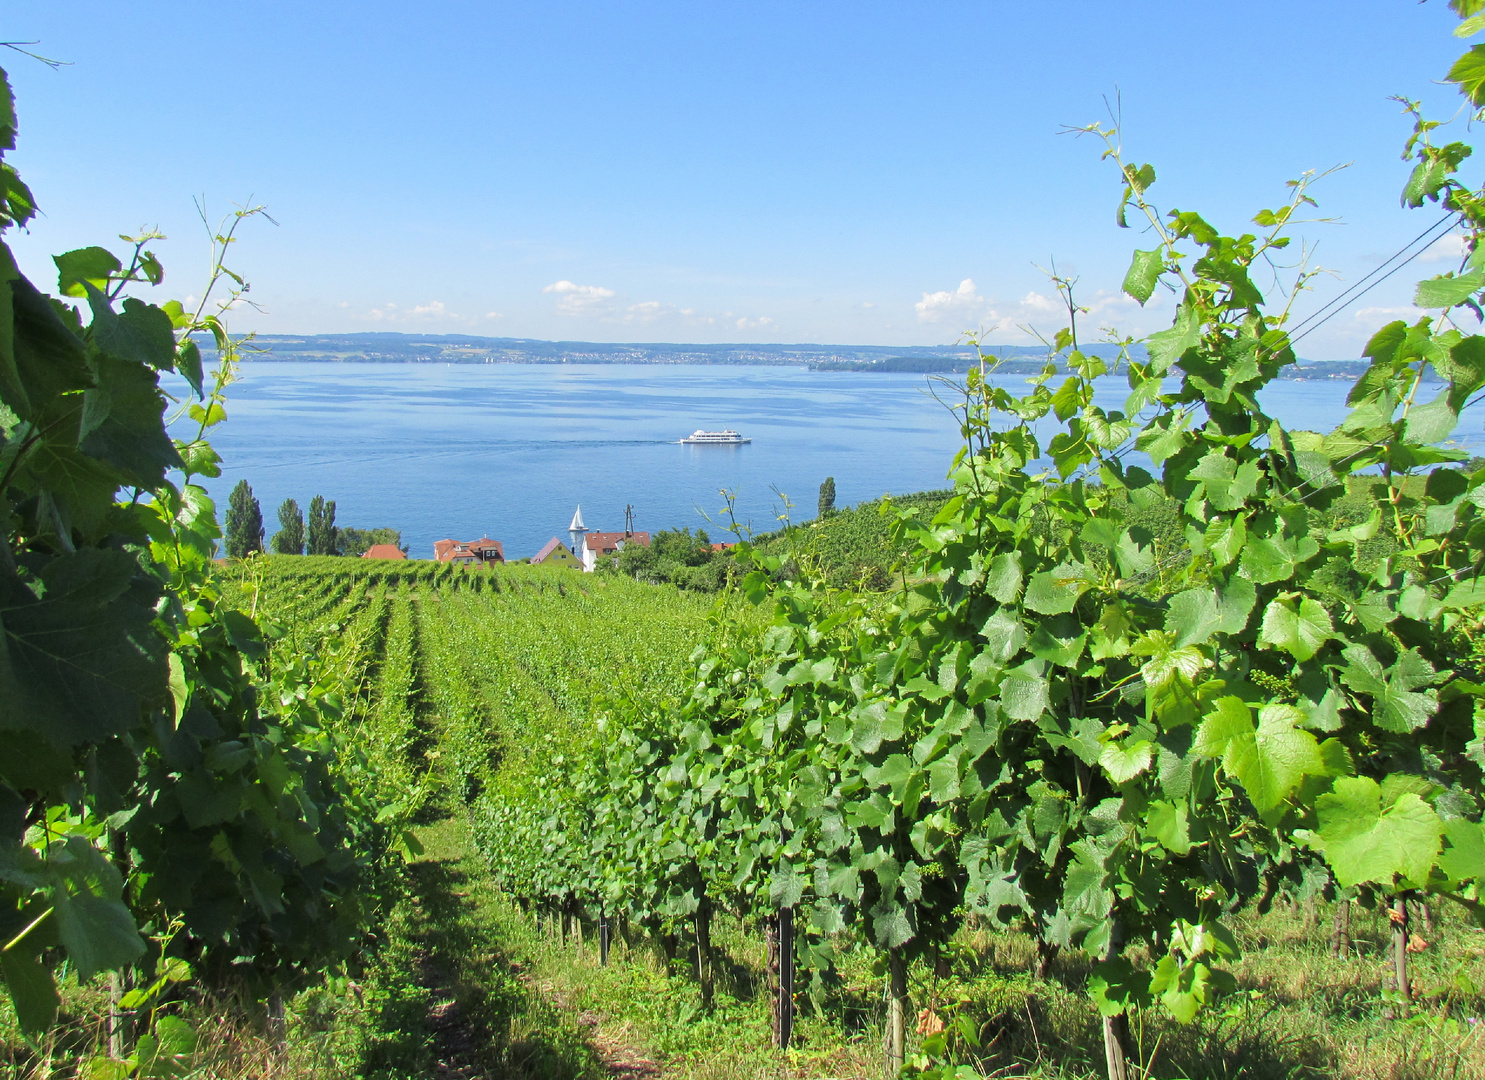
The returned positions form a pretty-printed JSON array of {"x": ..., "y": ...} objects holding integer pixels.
[{"x": 484, "y": 1014}]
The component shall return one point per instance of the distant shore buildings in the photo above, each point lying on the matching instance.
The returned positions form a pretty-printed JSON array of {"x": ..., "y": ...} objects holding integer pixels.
[
  {"x": 588, "y": 550},
  {"x": 469, "y": 552},
  {"x": 384, "y": 551}
]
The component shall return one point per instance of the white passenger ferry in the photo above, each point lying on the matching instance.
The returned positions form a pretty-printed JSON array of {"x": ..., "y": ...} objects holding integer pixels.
[{"x": 716, "y": 438}]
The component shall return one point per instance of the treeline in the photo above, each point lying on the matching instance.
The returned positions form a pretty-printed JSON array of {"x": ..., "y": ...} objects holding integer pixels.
[{"x": 319, "y": 536}]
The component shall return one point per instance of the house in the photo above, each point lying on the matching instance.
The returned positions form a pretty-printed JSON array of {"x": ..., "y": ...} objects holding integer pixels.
[
  {"x": 607, "y": 545},
  {"x": 469, "y": 552},
  {"x": 555, "y": 553},
  {"x": 384, "y": 551}
]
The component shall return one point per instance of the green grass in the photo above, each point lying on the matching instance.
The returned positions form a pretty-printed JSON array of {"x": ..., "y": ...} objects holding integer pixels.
[{"x": 1300, "y": 1013}]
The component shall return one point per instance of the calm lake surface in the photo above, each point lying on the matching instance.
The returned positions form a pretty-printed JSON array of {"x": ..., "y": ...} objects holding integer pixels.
[{"x": 509, "y": 450}]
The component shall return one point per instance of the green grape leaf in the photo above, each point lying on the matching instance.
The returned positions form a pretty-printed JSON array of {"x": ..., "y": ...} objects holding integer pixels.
[
  {"x": 80, "y": 661},
  {"x": 874, "y": 723},
  {"x": 890, "y": 923},
  {"x": 188, "y": 363},
  {"x": 1364, "y": 841},
  {"x": 1432, "y": 421},
  {"x": 1004, "y": 636},
  {"x": 1144, "y": 272},
  {"x": 1463, "y": 856},
  {"x": 1135, "y": 549},
  {"x": 32, "y": 991},
  {"x": 1398, "y": 705},
  {"x": 1054, "y": 592},
  {"x": 90, "y": 266},
  {"x": 95, "y": 926},
  {"x": 1269, "y": 760},
  {"x": 1167, "y": 823},
  {"x": 786, "y": 887},
  {"x": 1299, "y": 629},
  {"x": 1003, "y": 578},
  {"x": 1193, "y": 616},
  {"x": 1448, "y": 290},
  {"x": 1123, "y": 761},
  {"x": 1183, "y": 990},
  {"x": 1167, "y": 346},
  {"x": 1117, "y": 986},
  {"x": 1024, "y": 692},
  {"x": 123, "y": 423},
  {"x": 141, "y": 333},
  {"x": 166, "y": 1052},
  {"x": 1469, "y": 73}
]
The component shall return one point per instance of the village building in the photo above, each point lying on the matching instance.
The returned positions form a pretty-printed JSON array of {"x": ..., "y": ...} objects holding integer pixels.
[
  {"x": 469, "y": 552},
  {"x": 384, "y": 551},
  {"x": 591, "y": 546},
  {"x": 555, "y": 553},
  {"x": 607, "y": 545}
]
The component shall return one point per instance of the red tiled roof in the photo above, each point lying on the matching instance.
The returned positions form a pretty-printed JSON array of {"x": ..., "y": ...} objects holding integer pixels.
[
  {"x": 468, "y": 550},
  {"x": 604, "y": 543},
  {"x": 550, "y": 548},
  {"x": 384, "y": 551},
  {"x": 723, "y": 547}
]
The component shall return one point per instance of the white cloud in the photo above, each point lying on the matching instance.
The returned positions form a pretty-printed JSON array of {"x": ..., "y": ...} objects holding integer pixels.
[
  {"x": 648, "y": 311},
  {"x": 493, "y": 315},
  {"x": 434, "y": 311},
  {"x": 963, "y": 303},
  {"x": 1372, "y": 314},
  {"x": 1448, "y": 248},
  {"x": 965, "y": 308},
  {"x": 574, "y": 299},
  {"x": 763, "y": 322}
]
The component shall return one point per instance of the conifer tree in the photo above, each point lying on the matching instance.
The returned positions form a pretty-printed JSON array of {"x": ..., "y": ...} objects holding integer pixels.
[
  {"x": 322, "y": 531},
  {"x": 244, "y": 522},
  {"x": 827, "y": 497},
  {"x": 289, "y": 540}
]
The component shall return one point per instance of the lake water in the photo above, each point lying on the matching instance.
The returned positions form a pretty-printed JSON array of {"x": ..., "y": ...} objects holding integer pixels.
[{"x": 509, "y": 450}]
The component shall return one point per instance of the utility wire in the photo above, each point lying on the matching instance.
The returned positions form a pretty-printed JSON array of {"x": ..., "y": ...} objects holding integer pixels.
[{"x": 1346, "y": 299}]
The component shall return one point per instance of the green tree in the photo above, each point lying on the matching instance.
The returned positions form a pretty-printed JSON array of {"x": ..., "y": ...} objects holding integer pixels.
[
  {"x": 322, "y": 538},
  {"x": 355, "y": 542},
  {"x": 827, "y": 497},
  {"x": 289, "y": 540},
  {"x": 244, "y": 522}
]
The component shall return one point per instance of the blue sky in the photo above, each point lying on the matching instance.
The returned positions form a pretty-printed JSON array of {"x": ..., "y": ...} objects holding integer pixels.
[{"x": 876, "y": 173}]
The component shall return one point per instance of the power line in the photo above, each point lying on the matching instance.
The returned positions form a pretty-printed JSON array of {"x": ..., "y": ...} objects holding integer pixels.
[{"x": 1345, "y": 299}]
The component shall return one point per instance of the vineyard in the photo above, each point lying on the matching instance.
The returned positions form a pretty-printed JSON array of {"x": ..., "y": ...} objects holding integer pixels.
[{"x": 1153, "y": 748}]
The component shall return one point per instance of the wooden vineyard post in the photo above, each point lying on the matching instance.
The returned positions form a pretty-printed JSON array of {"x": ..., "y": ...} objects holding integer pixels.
[
  {"x": 1115, "y": 1035},
  {"x": 771, "y": 945},
  {"x": 704, "y": 953},
  {"x": 278, "y": 1031},
  {"x": 782, "y": 952},
  {"x": 603, "y": 933},
  {"x": 1399, "y": 917},
  {"x": 115, "y": 1017},
  {"x": 1340, "y": 939},
  {"x": 1116, "y": 1028},
  {"x": 896, "y": 1011}
]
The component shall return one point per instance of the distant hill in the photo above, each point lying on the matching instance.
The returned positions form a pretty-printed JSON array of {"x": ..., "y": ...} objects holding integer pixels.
[
  {"x": 466, "y": 349},
  {"x": 386, "y": 347}
]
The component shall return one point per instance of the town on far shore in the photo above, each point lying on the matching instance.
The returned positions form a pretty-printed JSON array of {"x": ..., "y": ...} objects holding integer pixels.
[{"x": 586, "y": 550}]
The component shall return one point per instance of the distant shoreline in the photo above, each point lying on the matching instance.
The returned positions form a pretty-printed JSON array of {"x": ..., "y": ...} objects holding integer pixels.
[{"x": 394, "y": 348}]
